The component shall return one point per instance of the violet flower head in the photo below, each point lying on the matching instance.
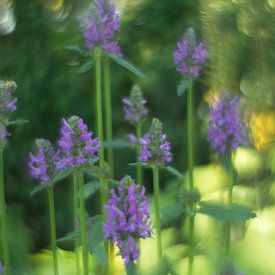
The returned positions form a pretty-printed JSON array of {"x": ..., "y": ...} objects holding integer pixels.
[
  {"x": 101, "y": 27},
  {"x": 226, "y": 130},
  {"x": 189, "y": 56},
  {"x": 128, "y": 218},
  {"x": 134, "y": 106},
  {"x": 154, "y": 147},
  {"x": 7, "y": 99},
  {"x": 44, "y": 164},
  {"x": 76, "y": 144}
]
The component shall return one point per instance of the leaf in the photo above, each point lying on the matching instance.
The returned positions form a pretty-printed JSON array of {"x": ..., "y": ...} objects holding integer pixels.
[
  {"x": 232, "y": 212},
  {"x": 62, "y": 175},
  {"x": 85, "y": 67},
  {"x": 183, "y": 86},
  {"x": 117, "y": 143},
  {"x": 174, "y": 172},
  {"x": 78, "y": 49},
  {"x": 101, "y": 255},
  {"x": 39, "y": 188},
  {"x": 90, "y": 188},
  {"x": 18, "y": 121},
  {"x": 124, "y": 63},
  {"x": 171, "y": 213},
  {"x": 95, "y": 231},
  {"x": 164, "y": 267},
  {"x": 69, "y": 237},
  {"x": 131, "y": 268}
]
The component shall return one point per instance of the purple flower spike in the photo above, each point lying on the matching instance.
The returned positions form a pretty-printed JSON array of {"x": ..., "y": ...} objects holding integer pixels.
[
  {"x": 44, "y": 165},
  {"x": 7, "y": 99},
  {"x": 226, "y": 130},
  {"x": 76, "y": 144},
  {"x": 101, "y": 27},
  {"x": 154, "y": 147},
  {"x": 189, "y": 57},
  {"x": 134, "y": 106},
  {"x": 128, "y": 218}
]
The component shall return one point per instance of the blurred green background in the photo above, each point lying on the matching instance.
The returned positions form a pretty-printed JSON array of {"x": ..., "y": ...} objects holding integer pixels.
[{"x": 240, "y": 38}]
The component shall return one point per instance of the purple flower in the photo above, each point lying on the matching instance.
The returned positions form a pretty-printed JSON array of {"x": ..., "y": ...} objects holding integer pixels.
[
  {"x": 2, "y": 269},
  {"x": 76, "y": 144},
  {"x": 154, "y": 147},
  {"x": 226, "y": 130},
  {"x": 7, "y": 99},
  {"x": 189, "y": 57},
  {"x": 134, "y": 106},
  {"x": 128, "y": 218},
  {"x": 44, "y": 165},
  {"x": 101, "y": 27}
]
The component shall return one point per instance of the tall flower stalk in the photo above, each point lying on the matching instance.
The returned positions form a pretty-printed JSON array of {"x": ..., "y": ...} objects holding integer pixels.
[
  {"x": 226, "y": 132},
  {"x": 189, "y": 58},
  {"x": 7, "y": 107},
  {"x": 128, "y": 220},
  {"x": 135, "y": 113},
  {"x": 79, "y": 150},
  {"x": 155, "y": 152},
  {"x": 44, "y": 167}
]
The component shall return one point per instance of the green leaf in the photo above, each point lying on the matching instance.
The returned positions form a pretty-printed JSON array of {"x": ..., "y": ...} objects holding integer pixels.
[
  {"x": 62, "y": 175},
  {"x": 39, "y": 188},
  {"x": 174, "y": 172},
  {"x": 69, "y": 237},
  {"x": 116, "y": 143},
  {"x": 232, "y": 212},
  {"x": 131, "y": 269},
  {"x": 183, "y": 86},
  {"x": 18, "y": 121},
  {"x": 95, "y": 231},
  {"x": 90, "y": 188},
  {"x": 101, "y": 255},
  {"x": 78, "y": 49},
  {"x": 124, "y": 63},
  {"x": 85, "y": 67},
  {"x": 170, "y": 213}
]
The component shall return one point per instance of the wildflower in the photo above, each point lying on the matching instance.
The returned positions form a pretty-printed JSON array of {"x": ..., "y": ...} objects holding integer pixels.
[
  {"x": 76, "y": 144},
  {"x": 226, "y": 131},
  {"x": 134, "y": 106},
  {"x": 154, "y": 147},
  {"x": 128, "y": 218},
  {"x": 189, "y": 57},
  {"x": 101, "y": 26},
  {"x": 7, "y": 99},
  {"x": 44, "y": 165}
]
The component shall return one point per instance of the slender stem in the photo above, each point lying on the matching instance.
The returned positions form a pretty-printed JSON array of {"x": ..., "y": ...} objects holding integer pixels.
[
  {"x": 228, "y": 224},
  {"x": 190, "y": 146},
  {"x": 157, "y": 211},
  {"x": 76, "y": 218},
  {"x": 100, "y": 121},
  {"x": 53, "y": 228},
  {"x": 83, "y": 223},
  {"x": 139, "y": 168},
  {"x": 108, "y": 113},
  {"x": 4, "y": 232}
]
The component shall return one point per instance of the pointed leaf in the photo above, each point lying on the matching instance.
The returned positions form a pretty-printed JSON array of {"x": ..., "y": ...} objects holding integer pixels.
[
  {"x": 131, "y": 268},
  {"x": 78, "y": 49},
  {"x": 18, "y": 121},
  {"x": 170, "y": 213},
  {"x": 90, "y": 188},
  {"x": 116, "y": 143},
  {"x": 85, "y": 67},
  {"x": 174, "y": 172},
  {"x": 95, "y": 234},
  {"x": 69, "y": 237},
  {"x": 124, "y": 63},
  {"x": 232, "y": 212},
  {"x": 38, "y": 188},
  {"x": 101, "y": 255},
  {"x": 183, "y": 86},
  {"x": 62, "y": 175}
]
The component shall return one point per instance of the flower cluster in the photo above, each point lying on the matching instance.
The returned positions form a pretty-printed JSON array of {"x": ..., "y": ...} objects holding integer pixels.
[
  {"x": 7, "y": 100},
  {"x": 44, "y": 165},
  {"x": 189, "y": 57},
  {"x": 134, "y": 106},
  {"x": 128, "y": 218},
  {"x": 101, "y": 26},
  {"x": 76, "y": 144},
  {"x": 226, "y": 131},
  {"x": 154, "y": 147}
]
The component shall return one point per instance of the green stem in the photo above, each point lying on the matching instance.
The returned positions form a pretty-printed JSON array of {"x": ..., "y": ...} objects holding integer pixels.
[
  {"x": 100, "y": 121},
  {"x": 4, "y": 232},
  {"x": 76, "y": 218},
  {"x": 83, "y": 223},
  {"x": 230, "y": 199},
  {"x": 190, "y": 147},
  {"x": 53, "y": 228},
  {"x": 108, "y": 113},
  {"x": 139, "y": 167},
  {"x": 157, "y": 211}
]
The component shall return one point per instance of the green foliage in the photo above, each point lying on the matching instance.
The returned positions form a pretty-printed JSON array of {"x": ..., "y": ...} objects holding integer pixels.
[
  {"x": 118, "y": 143},
  {"x": 171, "y": 213},
  {"x": 90, "y": 188},
  {"x": 164, "y": 267},
  {"x": 183, "y": 86},
  {"x": 232, "y": 212}
]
